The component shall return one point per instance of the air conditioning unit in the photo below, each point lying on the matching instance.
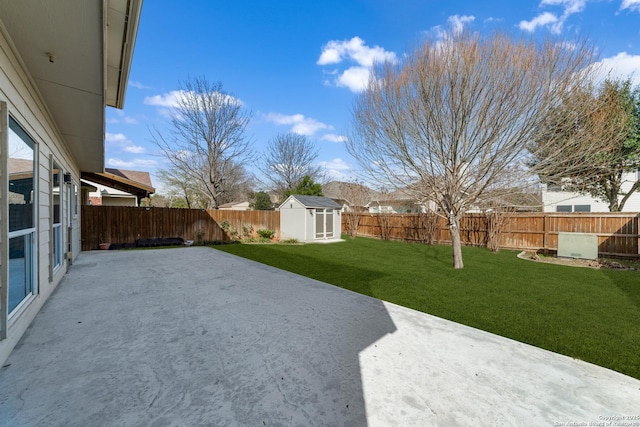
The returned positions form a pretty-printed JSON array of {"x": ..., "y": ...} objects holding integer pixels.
[{"x": 578, "y": 245}]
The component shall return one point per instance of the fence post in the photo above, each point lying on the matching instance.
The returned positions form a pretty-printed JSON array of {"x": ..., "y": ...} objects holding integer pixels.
[{"x": 545, "y": 241}]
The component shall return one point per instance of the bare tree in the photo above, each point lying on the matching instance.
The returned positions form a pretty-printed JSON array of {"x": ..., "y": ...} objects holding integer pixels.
[
  {"x": 206, "y": 141},
  {"x": 459, "y": 112},
  {"x": 179, "y": 184},
  {"x": 356, "y": 196},
  {"x": 288, "y": 159}
]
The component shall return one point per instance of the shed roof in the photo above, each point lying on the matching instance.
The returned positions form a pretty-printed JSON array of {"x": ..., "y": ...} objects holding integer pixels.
[{"x": 315, "y": 201}]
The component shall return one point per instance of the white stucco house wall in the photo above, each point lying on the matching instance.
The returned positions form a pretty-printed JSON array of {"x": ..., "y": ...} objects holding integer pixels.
[
  {"x": 234, "y": 206},
  {"x": 555, "y": 199},
  {"x": 310, "y": 219},
  {"x": 61, "y": 63}
]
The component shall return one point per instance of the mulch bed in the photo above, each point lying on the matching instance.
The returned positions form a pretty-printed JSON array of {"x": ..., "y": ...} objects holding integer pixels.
[{"x": 588, "y": 263}]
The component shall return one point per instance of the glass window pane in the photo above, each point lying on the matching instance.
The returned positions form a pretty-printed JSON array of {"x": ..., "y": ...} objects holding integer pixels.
[
  {"x": 319, "y": 222},
  {"x": 56, "y": 179},
  {"x": 20, "y": 261},
  {"x": 21, "y": 183},
  {"x": 563, "y": 208},
  {"x": 74, "y": 200}
]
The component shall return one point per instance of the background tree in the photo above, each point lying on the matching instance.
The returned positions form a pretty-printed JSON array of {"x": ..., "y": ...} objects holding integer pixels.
[
  {"x": 615, "y": 119},
  {"x": 179, "y": 185},
  {"x": 306, "y": 187},
  {"x": 206, "y": 140},
  {"x": 287, "y": 160},
  {"x": 356, "y": 196},
  {"x": 260, "y": 201},
  {"x": 459, "y": 112}
]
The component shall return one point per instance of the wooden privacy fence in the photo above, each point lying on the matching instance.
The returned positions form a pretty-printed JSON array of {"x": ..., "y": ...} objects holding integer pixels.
[
  {"x": 617, "y": 232},
  {"x": 123, "y": 224}
]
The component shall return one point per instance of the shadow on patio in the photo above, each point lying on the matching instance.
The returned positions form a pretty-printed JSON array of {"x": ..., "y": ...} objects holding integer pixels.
[
  {"x": 194, "y": 336},
  {"x": 191, "y": 337}
]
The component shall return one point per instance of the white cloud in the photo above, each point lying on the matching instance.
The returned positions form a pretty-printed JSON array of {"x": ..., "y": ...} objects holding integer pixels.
[
  {"x": 135, "y": 149},
  {"x": 167, "y": 100},
  {"x": 300, "y": 124},
  {"x": 550, "y": 20},
  {"x": 570, "y": 6},
  {"x": 138, "y": 85},
  {"x": 354, "y": 78},
  {"x": 457, "y": 22},
  {"x": 115, "y": 138},
  {"x": 622, "y": 65},
  {"x": 332, "y": 137},
  {"x": 130, "y": 120},
  {"x": 118, "y": 163},
  {"x": 337, "y": 169},
  {"x": 123, "y": 118},
  {"x": 633, "y": 5},
  {"x": 353, "y": 51},
  {"x": 118, "y": 141},
  {"x": 455, "y": 25},
  {"x": 541, "y": 20}
]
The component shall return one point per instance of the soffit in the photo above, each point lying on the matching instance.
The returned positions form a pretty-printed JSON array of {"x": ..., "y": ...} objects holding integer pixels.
[{"x": 63, "y": 45}]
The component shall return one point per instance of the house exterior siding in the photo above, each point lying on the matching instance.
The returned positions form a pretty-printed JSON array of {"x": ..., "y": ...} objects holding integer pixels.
[
  {"x": 555, "y": 201},
  {"x": 52, "y": 130},
  {"x": 23, "y": 104}
]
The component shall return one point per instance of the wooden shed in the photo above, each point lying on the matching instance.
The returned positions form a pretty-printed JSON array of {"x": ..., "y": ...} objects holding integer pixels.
[{"x": 310, "y": 219}]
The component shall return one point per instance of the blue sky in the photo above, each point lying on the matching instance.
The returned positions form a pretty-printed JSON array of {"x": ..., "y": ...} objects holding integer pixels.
[{"x": 297, "y": 65}]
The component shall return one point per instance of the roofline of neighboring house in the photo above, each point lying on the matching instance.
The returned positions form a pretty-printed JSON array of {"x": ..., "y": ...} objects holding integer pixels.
[{"x": 119, "y": 183}]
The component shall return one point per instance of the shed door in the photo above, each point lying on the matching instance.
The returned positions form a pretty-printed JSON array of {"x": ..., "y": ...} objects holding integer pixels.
[{"x": 324, "y": 223}]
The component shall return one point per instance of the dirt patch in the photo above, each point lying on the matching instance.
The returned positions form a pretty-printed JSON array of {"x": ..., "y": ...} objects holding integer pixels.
[{"x": 587, "y": 263}]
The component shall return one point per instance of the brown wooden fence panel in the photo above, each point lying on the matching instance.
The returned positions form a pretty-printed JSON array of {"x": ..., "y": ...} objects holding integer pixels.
[
  {"x": 122, "y": 224},
  {"x": 617, "y": 232}
]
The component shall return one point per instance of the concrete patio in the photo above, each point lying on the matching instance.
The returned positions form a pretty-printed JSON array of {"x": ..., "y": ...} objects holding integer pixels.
[{"x": 194, "y": 336}]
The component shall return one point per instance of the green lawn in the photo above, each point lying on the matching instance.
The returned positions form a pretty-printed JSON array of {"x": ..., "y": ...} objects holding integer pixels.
[{"x": 593, "y": 315}]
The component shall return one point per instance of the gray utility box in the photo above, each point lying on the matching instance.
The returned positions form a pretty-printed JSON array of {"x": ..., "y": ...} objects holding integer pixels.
[{"x": 578, "y": 245}]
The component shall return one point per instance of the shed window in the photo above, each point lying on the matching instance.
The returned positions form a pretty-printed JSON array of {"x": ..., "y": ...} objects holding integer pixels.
[{"x": 563, "y": 208}]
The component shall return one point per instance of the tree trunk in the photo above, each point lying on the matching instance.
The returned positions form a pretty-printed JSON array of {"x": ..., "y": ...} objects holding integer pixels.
[
  {"x": 456, "y": 246},
  {"x": 613, "y": 206}
]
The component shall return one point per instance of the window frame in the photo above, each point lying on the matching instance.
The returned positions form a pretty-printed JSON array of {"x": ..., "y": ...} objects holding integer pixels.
[{"x": 8, "y": 125}]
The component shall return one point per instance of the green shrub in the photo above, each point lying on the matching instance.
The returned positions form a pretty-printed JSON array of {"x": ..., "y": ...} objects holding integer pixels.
[
  {"x": 266, "y": 233},
  {"x": 290, "y": 241},
  {"x": 229, "y": 229}
]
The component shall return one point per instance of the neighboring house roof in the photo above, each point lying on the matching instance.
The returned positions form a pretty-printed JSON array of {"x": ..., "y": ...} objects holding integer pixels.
[
  {"x": 339, "y": 190},
  {"x": 20, "y": 168},
  {"x": 314, "y": 201},
  {"x": 136, "y": 176},
  {"x": 232, "y": 204},
  {"x": 78, "y": 54},
  {"x": 133, "y": 182}
]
